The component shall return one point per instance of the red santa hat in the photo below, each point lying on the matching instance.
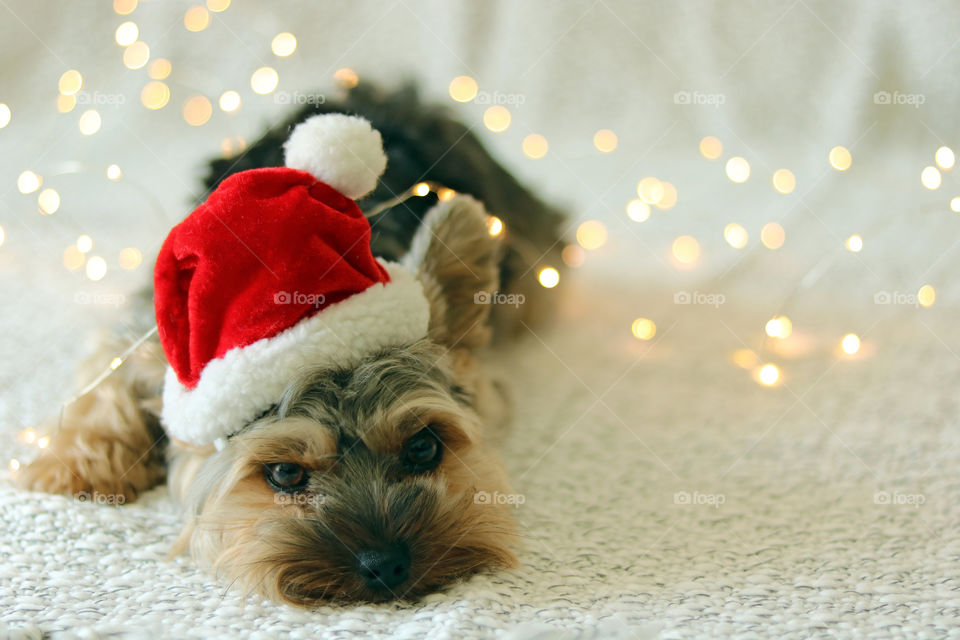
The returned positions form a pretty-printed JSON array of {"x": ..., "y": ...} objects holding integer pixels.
[{"x": 273, "y": 275}]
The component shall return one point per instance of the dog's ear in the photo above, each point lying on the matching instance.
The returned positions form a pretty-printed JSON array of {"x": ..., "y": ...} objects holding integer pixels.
[{"x": 457, "y": 261}]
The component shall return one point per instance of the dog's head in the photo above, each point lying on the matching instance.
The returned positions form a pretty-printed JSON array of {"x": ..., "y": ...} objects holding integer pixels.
[{"x": 370, "y": 482}]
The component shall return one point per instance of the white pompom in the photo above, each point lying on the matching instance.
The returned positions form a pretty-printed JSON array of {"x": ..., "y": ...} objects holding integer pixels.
[{"x": 343, "y": 151}]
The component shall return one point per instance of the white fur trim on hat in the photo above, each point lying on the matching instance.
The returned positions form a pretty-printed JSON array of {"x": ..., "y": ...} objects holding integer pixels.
[
  {"x": 238, "y": 387},
  {"x": 343, "y": 151}
]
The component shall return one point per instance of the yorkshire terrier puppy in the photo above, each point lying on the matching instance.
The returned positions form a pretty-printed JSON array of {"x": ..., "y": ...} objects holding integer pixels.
[{"x": 360, "y": 479}]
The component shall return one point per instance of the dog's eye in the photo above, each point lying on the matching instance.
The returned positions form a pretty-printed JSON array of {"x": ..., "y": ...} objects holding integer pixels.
[
  {"x": 423, "y": 451},
  {"x": 285, "y": 476}
]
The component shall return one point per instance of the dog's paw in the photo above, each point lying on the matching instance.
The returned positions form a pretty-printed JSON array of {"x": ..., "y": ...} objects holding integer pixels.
[{"x": 90, "y": 469}]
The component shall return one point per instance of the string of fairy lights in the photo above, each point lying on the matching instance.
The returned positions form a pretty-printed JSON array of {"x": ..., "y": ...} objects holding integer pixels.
[{"x": 652, "y": 193}]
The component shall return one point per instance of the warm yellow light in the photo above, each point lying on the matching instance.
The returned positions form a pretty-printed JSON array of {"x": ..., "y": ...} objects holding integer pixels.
[
  {"x": 218, "y": 5},
  {"x": 196, "y": 18},
  {"x": 854, "y": 243},
  {"x": 283, "y": 44},
  {"x": 496, "y": 118},
  {"x": 535, "y": 146},
  {"x": 930, "y": 178},
  {"x": 346, "y": 78},
  {"x": 735, "y": 235},
  {"x": 669, "y": 197},
  {"x": 745, "y": 358},
  {"x": 955, "y": 205},
  {"x": 229, "y": 101},
  {"x": 29, "y": 436},
  {"x": 772, "y": 235},
  {"x": 70, "y": 82},
  {"x": 738, "y": 169},
  {"x": 73, "y": 258},
  {"x": 84, "y": 243},
  {"x": 605, "y": 140},
  {"x": 592, "y": 234},
  {"x": 650, "y": 190},
  {"x": 768, "y": 375},
  {"x": 159, "y": 69},
  {"x": 4, "y": 115},
  {"x": 638, "y": 210},
  {"x": 229, "y": 147},
  {"x": 840, "y": 158},
  {"x": 197, "y": 111},
  {"x": 155, "y": 95},
  {"x": 926, "y": 296},
  {"x": 3, "y": 236},
  {"x": 643, "y": 329},
  {"x": 779, "y": 327},
  {"x": 463, "y": 88},
  {"x": 130, "y": 258},
  {"x": 124, "y": 7},
  {"x": 48, "y": 201},
  {"x": 444, "y": 194},
  {"x": 96, "y": 268},
  {"x": 28, "y": 182},
  {"x": 264, "y": 80},
  {"x": 850, "y": 343},
  {"x": 573, "y": 255},
  {"x": 494, "y": 225},
  {"x": 43, "y": 442},
  {"x": 126, "y": 34},
  {"x": 711, "y": 148},
  {"x": 136, "y": 55},
  {"x": 115, "y": 363},
  {"x": 65, "y": 104},
  {"x": 113, "y": 172},
  {"x": 784, "y": 180},
  {"x": 945, "y": 158},
  {"x": 89, "y": 122},
  {"x": 14, "y": 464},
  {"x": 549, "y": 277},
  {"x": 686, "y": 250},
  {"x": 421, "y": 189}
]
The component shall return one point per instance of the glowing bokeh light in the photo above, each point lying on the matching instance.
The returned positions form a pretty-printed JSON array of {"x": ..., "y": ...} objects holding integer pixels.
[
  {"x": 840, "y": 158},
  {"x": 784, "y": 181},
  {"x": 605, "y": 140},
  {"x": 535, "y": 146},
  {"x": 735, "y": 235},
  {"x": 772, "y": 235},
  {"x": 496, "y": 118},
  {"x": 463, "y": 88},
  {"x": 686, "y": 250},
  {"x": 711, "y": 148},
  {"x": 283, "y": 44},
  {"x": 643, "y": 329},
  {"x": 264, "y": 80},
  {"x": 638, "y": 210},
  {"x": 549, "y": 277},
  {"x": 592, "y": 234}
]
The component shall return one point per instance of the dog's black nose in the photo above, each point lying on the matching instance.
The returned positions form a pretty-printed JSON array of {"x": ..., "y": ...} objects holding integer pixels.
[{"x": 384, "y": 569}]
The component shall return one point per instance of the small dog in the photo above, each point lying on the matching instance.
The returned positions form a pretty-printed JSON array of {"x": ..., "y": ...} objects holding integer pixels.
[{"x": 360, "y": 482}]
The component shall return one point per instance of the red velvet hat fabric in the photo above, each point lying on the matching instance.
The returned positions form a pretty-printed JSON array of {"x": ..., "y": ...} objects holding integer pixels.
[{"x": 267, "y": 249}]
